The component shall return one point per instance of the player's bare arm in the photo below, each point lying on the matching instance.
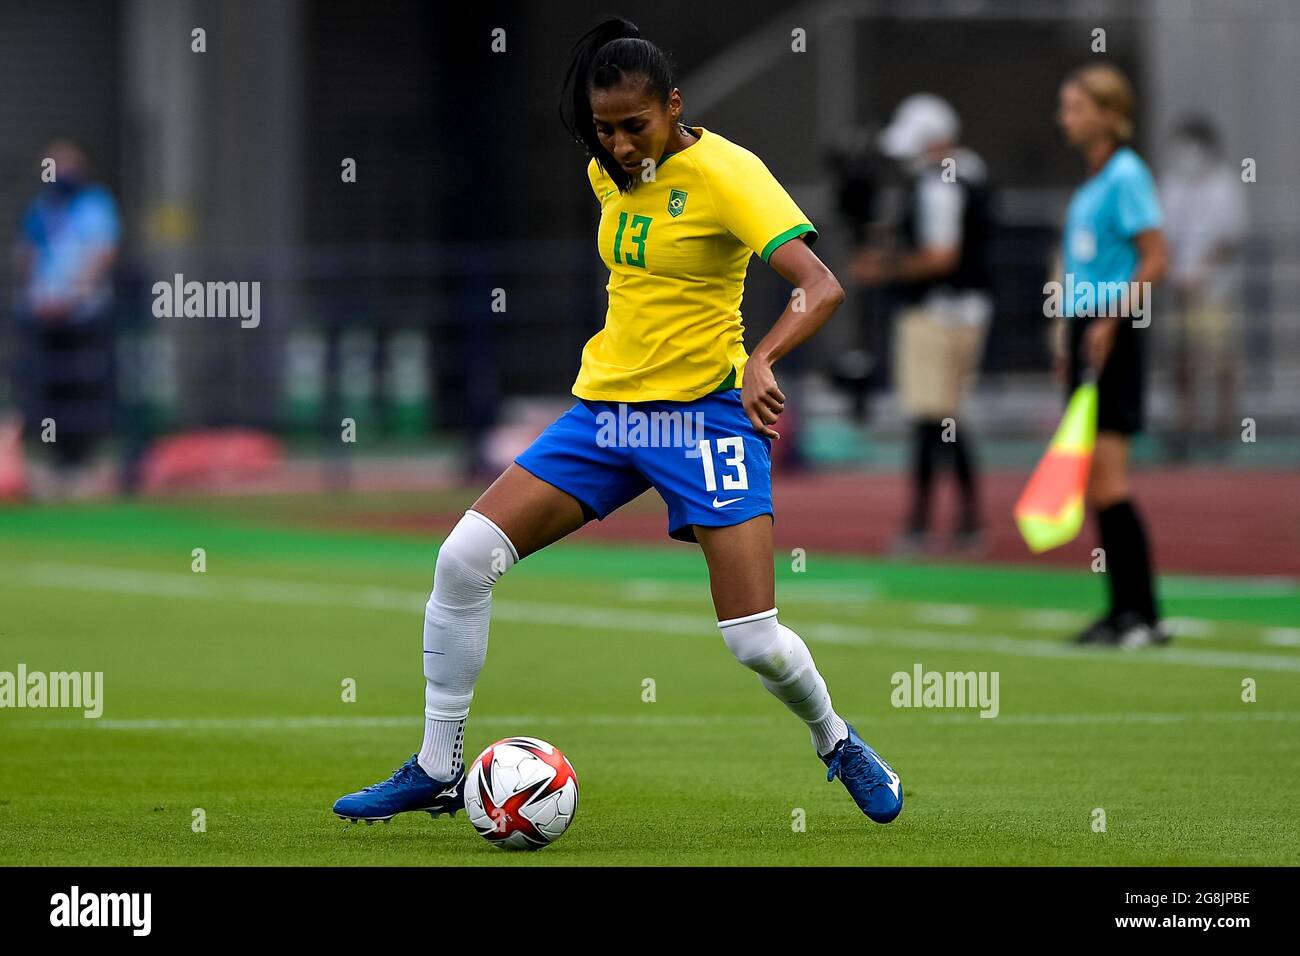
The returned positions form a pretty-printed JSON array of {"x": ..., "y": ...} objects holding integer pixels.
[{"x": 803, "y": 316}]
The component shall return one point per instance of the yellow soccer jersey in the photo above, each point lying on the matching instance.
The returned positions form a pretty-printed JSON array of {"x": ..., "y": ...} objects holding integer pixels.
[{"x": 677, "y": 251}]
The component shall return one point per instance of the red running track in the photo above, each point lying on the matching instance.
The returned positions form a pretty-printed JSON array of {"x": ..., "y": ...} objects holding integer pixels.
[{"x": 1201, "y": 521}]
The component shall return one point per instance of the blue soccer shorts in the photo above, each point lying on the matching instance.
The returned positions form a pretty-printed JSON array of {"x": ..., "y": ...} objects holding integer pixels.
[{"x": 704, "y": 457}]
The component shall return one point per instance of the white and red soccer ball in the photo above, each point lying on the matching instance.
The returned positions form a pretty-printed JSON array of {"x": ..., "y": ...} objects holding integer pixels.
[{"x": 521, "y": 793}]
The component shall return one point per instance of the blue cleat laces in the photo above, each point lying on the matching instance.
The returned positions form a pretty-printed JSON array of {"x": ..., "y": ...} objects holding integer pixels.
[{"x": 871, "y": 782}]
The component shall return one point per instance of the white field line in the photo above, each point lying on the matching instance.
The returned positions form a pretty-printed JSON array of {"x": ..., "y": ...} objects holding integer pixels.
[
  {"x": 958, "y": 615},
  {"x": 218, "y": 724},
  {"x": 1188, "y": 627},
  {"x": 833, "y": 595},
  {"x": 1282, "y": 636},
  {"x": 830, "y": 592},
  {"x": 1051, "y": 620},
  {"x": 609, "y": 619},
  {"x": 318, "y": 723}
]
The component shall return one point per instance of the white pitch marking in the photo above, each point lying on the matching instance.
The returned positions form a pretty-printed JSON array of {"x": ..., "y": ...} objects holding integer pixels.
[
  {"x": 1045, "y": 619},
  {"x": 647, "y": 720},
  {"x": 606, "y": 619},
  {"x": 832, "y": 592},
  {"x": 1282, "y": 636},
  {"x": 1188, "y": 627},
  {"x": 654, "y": 589},
  {"x": 649, "y": 590},
  {"x": 1124, "y": 718},
  {"x": 318, "y": 723},
  {"x": 956, "y": 614}
]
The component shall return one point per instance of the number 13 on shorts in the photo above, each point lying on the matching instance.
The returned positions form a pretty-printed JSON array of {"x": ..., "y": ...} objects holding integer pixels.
[{"x": 731, "y": 451}]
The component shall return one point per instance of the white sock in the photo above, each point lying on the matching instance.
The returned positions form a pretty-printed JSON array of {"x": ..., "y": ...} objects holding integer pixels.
[
  {"x": 442, "y": 755},
  {"x": 785, "y": 667},
  {"x": 456, "y": 618}
]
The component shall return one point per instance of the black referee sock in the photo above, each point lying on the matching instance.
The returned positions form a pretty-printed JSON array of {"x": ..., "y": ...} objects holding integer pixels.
[
  {"x": 927, "y": 445},
  {"x": 1128, "y": 561},
  {"x": 963, "y": 462}
]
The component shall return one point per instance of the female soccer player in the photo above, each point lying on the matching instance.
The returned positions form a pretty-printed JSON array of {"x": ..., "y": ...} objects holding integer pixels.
[
  {"x": 682, "y": 210},
  {"x": 1112, "y": 241}
]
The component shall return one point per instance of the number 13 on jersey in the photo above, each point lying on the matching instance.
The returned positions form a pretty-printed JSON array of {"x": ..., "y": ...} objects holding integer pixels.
[
  {"x": 635, "y": 253},
  {"x": 732, "y": 452}
]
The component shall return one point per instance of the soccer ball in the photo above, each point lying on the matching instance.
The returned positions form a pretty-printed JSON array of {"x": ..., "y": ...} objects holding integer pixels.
[{"x": 521, "y": 793}]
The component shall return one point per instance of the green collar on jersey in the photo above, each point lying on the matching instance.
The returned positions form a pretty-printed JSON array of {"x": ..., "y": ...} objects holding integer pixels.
[{"x": 664, "y": 158}]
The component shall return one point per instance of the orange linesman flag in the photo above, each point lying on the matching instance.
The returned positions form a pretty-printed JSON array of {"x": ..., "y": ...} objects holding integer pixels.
[{"x": 1050, "y": 510}]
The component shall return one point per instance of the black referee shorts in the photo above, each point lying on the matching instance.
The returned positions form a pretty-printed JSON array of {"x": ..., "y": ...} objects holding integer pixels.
[{"x": 1121, "y": 389}]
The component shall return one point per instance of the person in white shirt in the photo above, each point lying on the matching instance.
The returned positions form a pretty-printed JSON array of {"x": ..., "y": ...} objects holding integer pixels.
[
  {"x": 939, "y": 274},
  {"x": 1205, "y": 223}
]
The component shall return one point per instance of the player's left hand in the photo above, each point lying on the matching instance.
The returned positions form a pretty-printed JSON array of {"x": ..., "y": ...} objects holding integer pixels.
[
  {"x": 763, "y": 401},
  {"x": 1100, "y": 339}
]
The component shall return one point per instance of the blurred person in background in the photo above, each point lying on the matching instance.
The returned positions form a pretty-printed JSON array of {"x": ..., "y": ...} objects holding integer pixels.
[
  {"x": 1112, "y": 235},
  {"x": 1205, "y": 223},
  {"x": 66, "y": 246},
  {"x": 939, "y": 272}
]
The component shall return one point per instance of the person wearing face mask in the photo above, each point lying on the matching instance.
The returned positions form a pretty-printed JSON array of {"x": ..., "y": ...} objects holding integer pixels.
[
  {"x": 940, "y": 274},
  {"x": 1205, "y": 223},
  {"x": 64, "y": 253}
]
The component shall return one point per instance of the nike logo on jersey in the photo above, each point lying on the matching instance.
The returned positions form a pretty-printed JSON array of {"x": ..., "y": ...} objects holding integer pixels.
[{"x": 723, "y": 504}]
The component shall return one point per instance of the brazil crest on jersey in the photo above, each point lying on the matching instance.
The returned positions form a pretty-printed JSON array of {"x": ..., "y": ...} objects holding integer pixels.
[{"x": 677, "y": 250}]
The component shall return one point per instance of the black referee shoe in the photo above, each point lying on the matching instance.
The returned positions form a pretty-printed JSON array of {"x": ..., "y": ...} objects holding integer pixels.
[
  {"x": 1127, "y": 631},
  {"x": 1100, "y": 631},
  {"x": 1133, "y": 633}
]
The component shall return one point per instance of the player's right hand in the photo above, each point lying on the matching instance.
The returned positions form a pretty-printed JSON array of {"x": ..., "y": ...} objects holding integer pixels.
[{"x": 763, "y": 401}]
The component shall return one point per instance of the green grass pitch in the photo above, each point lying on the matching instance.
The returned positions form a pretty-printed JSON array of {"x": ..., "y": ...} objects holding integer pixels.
[{"x": 223, "y": 692}]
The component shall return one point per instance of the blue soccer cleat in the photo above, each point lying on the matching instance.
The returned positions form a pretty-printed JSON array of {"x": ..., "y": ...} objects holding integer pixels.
[
  {"x": 871, "y": 782},
  {"x": 408, "y": 790}
]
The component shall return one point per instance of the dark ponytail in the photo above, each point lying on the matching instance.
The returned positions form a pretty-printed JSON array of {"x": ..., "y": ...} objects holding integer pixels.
[{"x": 604, "y": 56}]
